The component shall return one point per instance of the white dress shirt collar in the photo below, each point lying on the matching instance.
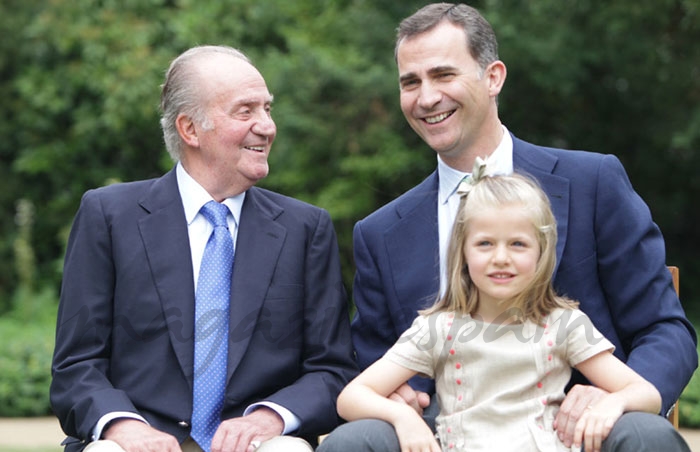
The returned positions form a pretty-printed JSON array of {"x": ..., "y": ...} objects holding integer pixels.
[
  {"x": 501, "y": 160},
  {"x": 194, "y": 196}
]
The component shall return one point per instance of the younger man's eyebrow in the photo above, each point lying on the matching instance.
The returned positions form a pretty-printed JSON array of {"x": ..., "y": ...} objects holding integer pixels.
[
  {"x": 441, "y": 69},
  {"x": 405, "y": 77},
  {"x": 432, "y": 71}
]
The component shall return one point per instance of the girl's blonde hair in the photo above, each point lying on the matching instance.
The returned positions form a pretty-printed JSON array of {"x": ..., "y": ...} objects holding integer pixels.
[{"x": 503, "y": 191}]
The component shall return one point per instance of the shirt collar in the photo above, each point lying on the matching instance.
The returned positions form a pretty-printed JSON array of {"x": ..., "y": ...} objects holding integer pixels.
[
  {"x": 194, "y": 196},
  {"x": 500, "y": 160}
]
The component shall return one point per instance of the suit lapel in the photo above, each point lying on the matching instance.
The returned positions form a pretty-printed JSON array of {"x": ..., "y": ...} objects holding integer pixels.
[
  {"x": 259, "y": 243},
  {"x": 165, "y": 238},
  {"x": 540, "y": 164},
  {"x": 412, "y": 247}
]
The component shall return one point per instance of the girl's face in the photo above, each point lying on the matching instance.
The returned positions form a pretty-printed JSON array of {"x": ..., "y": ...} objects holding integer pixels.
[{"x": 502, "y": 252}]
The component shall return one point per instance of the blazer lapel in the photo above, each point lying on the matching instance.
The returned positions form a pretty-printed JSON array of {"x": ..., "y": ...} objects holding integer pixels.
[
  {"x": 165, "y": 238},
  {"x": 540, "y": 164},
  {"x": 258, "y": 246},
  {"x": 412, "y": 247}
]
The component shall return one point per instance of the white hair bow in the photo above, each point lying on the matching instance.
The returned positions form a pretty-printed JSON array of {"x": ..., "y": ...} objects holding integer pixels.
[{"x": 478, "y": 173}]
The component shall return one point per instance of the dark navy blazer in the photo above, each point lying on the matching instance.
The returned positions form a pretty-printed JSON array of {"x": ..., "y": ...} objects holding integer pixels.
[{"x": 126, "y": 317}]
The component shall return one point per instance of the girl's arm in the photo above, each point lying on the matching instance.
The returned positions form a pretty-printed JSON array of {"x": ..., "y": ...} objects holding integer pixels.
[
  {"x": 365, "y": 397},
  {"x": 628, "y": 391}
]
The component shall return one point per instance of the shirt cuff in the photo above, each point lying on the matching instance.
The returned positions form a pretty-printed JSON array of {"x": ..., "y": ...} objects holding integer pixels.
[
  {"x": 109, "y": 417},
  {"x": 291, "y": 421}
]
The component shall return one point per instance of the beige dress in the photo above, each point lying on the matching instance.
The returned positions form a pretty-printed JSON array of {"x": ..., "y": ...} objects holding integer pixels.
[{"x": 499, "y": 386}]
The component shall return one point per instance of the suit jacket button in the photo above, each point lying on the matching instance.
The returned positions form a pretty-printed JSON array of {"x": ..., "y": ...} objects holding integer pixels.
[{"x": 183, "y": 424}]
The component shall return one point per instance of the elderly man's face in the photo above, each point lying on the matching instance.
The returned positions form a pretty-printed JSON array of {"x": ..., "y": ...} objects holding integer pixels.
[{"x": 234, "y": 141}]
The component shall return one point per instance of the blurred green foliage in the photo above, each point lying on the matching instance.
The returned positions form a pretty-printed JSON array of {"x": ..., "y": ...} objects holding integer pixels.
[
  {"x": 689, "y": 405},
  {"x": 79, "y": 83},
  {"x": 26, "y": 347}
]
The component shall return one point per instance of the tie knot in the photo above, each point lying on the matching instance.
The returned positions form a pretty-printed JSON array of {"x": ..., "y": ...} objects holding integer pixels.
[{"x": 216, "y": 213}]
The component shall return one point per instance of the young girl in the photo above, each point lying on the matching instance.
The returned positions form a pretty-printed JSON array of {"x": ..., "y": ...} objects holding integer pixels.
[{"x": 499, "y": 343}]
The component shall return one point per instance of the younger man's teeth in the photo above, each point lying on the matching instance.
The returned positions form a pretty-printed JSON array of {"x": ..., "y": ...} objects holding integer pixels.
[{"x": 436, "y": 119}]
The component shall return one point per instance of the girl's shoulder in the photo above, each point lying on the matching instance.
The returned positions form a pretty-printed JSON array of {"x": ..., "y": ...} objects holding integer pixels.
[
  {"x": 441, "y": 316},
  {"x": 565, "y": 314},
  {"x": 573, "y": 324},
  {"x": 434, "y": 322}
]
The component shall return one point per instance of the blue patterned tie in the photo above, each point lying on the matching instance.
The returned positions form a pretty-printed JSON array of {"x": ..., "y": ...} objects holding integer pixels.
[{"x": 211, "y": 327}]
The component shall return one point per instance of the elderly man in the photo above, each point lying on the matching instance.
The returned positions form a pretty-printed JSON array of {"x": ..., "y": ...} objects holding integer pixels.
[{"x": 163, "y": 342}]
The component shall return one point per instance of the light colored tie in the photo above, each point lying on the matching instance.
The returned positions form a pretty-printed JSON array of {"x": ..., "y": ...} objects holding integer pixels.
[{"x": 211, "y": 327}]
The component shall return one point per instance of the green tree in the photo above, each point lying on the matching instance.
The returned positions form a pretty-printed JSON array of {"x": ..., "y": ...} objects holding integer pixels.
[
  {"x": 80, "y": 84},
  {"x": 84, "y": 103}
]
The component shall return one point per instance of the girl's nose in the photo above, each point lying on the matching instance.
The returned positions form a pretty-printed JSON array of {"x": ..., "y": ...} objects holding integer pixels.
[{"x": 500, "y": 254}]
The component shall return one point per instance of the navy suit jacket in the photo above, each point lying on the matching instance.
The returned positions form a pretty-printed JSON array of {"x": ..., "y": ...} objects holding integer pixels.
[
  {"x": 610, "y": 257},
  {"x": 124, "y": 338}
]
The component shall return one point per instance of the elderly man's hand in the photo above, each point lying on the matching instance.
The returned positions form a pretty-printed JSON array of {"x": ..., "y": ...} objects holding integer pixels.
[
  {"x": 237, "y": 434},
  {"x": 136, "y": 436}
]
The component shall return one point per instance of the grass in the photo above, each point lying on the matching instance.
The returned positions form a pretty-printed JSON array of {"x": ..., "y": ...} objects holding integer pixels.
[
  {"x": 689, "y": 404},
  {"x": 34, "y": 449}
]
